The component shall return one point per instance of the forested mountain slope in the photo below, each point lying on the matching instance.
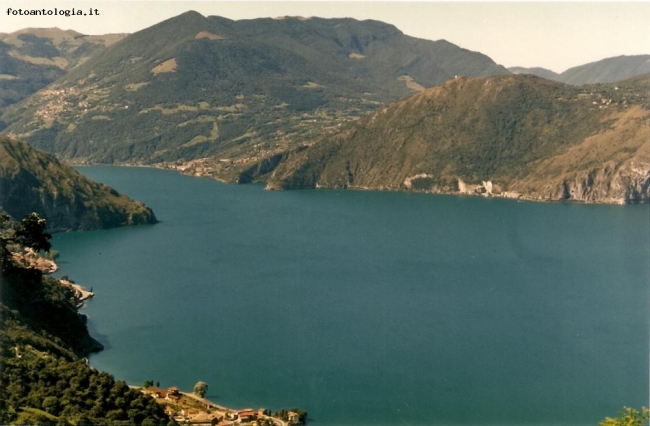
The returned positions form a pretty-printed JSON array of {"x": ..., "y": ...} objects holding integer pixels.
[
  {"x": 231, "y": 92},
  {"x": 32, "y": 58},
  {"x": 33, "y": 181},
  {"x": 516, "y": 136}
]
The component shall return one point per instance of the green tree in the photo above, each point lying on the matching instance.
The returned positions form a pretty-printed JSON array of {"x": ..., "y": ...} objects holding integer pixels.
[
  {"x": 302, "y": 415},
  {"x": 51, "y": 405},
  {"x": 282, "y": 414},
  {"x": 83, "y": 420},
  {"x": 147, "y": 384},
  {"x": 148, "y": 422},
  {"x": 31, "y": 233},
  {"x": 6, "y": 237},
  {"x": 629, "y": 417},
  {"x": 200, "y": 388}
]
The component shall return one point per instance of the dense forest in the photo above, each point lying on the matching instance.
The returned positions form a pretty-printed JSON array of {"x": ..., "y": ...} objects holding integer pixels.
[{"x": 33, "y": 181}]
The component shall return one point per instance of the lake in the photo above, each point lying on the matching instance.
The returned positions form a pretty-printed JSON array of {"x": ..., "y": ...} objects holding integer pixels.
[{"x": 372, "y": 308}]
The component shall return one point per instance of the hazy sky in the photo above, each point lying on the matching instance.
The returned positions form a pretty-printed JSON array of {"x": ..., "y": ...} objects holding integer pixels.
[{"x": 554, "y": 35}]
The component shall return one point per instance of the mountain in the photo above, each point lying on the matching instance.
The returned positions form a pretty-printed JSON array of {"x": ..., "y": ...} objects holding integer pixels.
[
  {"x": 33, "y": 181},
  {"x": 229, "y": 93},
  {"x": 516, "y": 136},
  {"x": 539, "y": 72},
  {"x": 32, "y": 58},
  {"x": 608, "y": 70}
]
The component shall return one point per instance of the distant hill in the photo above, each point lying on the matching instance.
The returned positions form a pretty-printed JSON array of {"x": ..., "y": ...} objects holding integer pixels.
[
  {"x": 231, "y": 92},
  {"x": 539, "y": 72},
  {"x": 608, "y": 70},
  {"x": 515, "y": 136},
  {"x": 32, "y": 58},
  {"x": 33, "y": 181}
]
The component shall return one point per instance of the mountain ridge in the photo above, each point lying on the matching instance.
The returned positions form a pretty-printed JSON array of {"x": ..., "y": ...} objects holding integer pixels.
[
  {"x": 195, "y": 87},
  {"x": 515, "y": 136},
  {"x": 607, "y": 70},
  {"x": 538, "y": 71},
  {"x": 32, "y": 58}
]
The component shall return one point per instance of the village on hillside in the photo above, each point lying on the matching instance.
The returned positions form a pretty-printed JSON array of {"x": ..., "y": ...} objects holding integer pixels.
[{"x": 188, "y": 408}]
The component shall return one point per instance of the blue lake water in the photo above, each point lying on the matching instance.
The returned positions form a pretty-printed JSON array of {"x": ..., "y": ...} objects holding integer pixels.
[{"x": 372, "y": 308}]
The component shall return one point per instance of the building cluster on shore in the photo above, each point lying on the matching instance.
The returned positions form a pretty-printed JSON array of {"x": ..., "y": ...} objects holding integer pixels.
[{"x": 186, "y": 408}]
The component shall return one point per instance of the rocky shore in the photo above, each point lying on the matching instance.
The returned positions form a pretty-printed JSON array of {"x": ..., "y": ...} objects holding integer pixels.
[{"x": 81, "y": 293}]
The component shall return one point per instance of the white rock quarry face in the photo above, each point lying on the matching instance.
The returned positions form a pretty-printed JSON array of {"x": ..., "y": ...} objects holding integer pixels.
[
  {"x": 408, "y": 182},
  {"x": 488, "y": 186},
  {"x": 485, "y": 188}
]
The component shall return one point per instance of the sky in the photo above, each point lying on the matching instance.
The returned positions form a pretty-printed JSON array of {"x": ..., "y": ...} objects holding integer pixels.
[{"x": 556, "y": 35}]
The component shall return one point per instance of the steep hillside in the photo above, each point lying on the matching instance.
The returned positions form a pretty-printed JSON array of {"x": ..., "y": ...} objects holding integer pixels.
[
  {"x": 32, "y": 181},
  {"x": 230, "y": 93},
  {"x": 44, "y": 379},
  {"x": 32, "y": 58},
  {"x": 608, "y": 70},
  {"x": 510, "y": 135}
]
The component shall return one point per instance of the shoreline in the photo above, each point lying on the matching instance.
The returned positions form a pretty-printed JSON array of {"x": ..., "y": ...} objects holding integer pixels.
[
  {"x": 82, "y": 294},
  {"x": 195, "y": 416},
  {"x": 192, "y": 415},
  {"x": 204, "y": 416},
  {"x": 507, "y": 195}
]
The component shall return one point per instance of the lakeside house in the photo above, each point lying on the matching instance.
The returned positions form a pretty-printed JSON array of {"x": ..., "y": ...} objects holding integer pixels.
[
  {"x": 189, "y": 412},
  {"x": 197, "y": 412},
  {"x": 247, "y": 415},
  {"x": 155, "y": 392},
  {"x": 173, "y": 394}
]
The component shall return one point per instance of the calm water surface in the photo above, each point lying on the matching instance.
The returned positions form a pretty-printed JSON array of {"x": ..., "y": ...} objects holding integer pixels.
[{"x": 370, "y": 307}]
